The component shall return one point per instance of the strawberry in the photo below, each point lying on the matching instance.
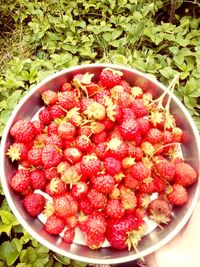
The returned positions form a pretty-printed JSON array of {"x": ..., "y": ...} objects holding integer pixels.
[
  {"x": 109, "y": 78},
  {"x": 65, "y": 205},
  {"x": 34, "y": 156},
  {"x": 134, "y": 152},
  {"x": 128, "y": 198},
  {"x": 178, "y": 196},
  {"x": 126, "y": 87},
  {"x": 34, "y": 204},
  {"x": 128, "y": 162},
  {"x": 116, "y": 148},
  {"x": 95, "y": 111},
  {"x": 72, "y": 155},
  {"x": 71, "y": 176},
  {"x": 139, "y": 109},
  {"x": 94, "y": 240},
  {"x": 54, "y": 139},
  {"x": 56, "y": 187},
  {"x": 23, "y": 131},
  {"x": 131, "y": 182},
  {"x": 103, "y": 183},
  {"x": 44, "y": 116},
  {"x": 62, "y": 167},
  {"x": 51, "y": 156},
  {"x": 139, "y": 171},
  {"x": 38, "y": 179},
  {"x": 93, "y": 88},
  {"x": 100, "y": 97},
  {"x": 55, "y": 111},
  {"x": 124, "y": 100},
  {"x": 95, "y": 223},
  {"x": 66, "y": 130},
  {"x": 90, "y": 165},
  {"x": 127, "y": 113},
  {"x": 97, "y": 199},
  {"x": 52, "y": 128},
  {"x": 112, "y": 165},
  {"x": 101, "y": 150},
  {"x": 159, "y": 210},
  {"x": 67, "y": 100},
  {"x": 39, "y": 127},
  {"x": 66, "y": 87},
  {"x": 85, "y": 206},
  {"x": 108, "y": 124},
  {"x": 125, "y": 232},
  {"x": 143, "y": 200},
  {"x": 83, "y": 142},
  {"x": 129, "y": 130},
  {"x": 99, "y": 137},
  {"x": 144, "y": 125},
  {"x": 68, "y": 235},
  {"x": 147, "y": 186},
  {"x": 54, "y": 225},
  {"x": 79, "y": 190},
  {"x": 51, "y": 173},
  {"x": 114, "y": 209},
  {"x": 185, "y": 174},
  {"x": 72, "y": 221},
  {"x": 20, "y": 181},
  {"x": 17, "y": 151},
  {"x": 177, "y": 134},
  {"x": 153, "y": 136},
  {"x": 166, "y": 169},
  {"x": 50, "y": 97}
]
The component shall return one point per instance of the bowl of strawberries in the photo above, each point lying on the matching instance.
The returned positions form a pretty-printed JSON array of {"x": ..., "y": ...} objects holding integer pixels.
[{"x": 95, "y": 158}]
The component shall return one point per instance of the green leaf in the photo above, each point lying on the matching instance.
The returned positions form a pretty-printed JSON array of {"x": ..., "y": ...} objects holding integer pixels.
[
  {"x": 78, "y": 264},
  {"x": 8, "y": 253},
  {"x": 61, "y": 259},
  {"x": 8, "y": 221}
]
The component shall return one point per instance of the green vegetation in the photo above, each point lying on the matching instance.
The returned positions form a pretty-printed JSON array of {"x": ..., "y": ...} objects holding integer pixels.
[{"x": 40, "y": 37}]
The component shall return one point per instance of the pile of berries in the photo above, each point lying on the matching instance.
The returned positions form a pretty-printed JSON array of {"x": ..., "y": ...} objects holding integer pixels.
[{"x": 100, "y": 149}]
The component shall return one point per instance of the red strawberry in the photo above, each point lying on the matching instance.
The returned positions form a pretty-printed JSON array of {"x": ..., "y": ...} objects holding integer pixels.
[
  {"x": 116, "y": 148},
  {"x": 44, "y": 116},
  {"x": 39, "y": 127},
  {"x": 66, "y": 130},
  {"x": 99, "y": 137},
  {"x": 112, "y": 165},
  {"x": 51, "y": 156},
  {"x": 143, "y": 200},
  {"x": 49, "y": 97},
  {"x": 93, "y": 89},
  {"x": 65, "y": 205},
  {"x": 67, "y": 100},
  {"x": 134, "y": 152},
  {"x": 95, "y": 223},
  {"x": 23, "y": 131},
  {"x": 34, "y": 156},
  {"x": 54, "y": 139},
  {"x": 114, "y": 209},
  {"x": 85, "y": 206},
  {"x": 66, "y": 87},
  {"x": 94, "y": 240},
  {"x": 17, "y": 151},
  {"x": 109, "y": 78},
  {"x": 83, "y": 142},
  {"x": 51, "y": 173},
  {"x": 177, "y": 134},
  {"x": 139, "y": 109},
  {"x": 97, "y": 199},
  {"x": 72, "y": 221},
  {"x": 90, "y": 165},
  {"x": 166, "y": 169},
  {"x": 100, "y": 97},
  {"x": 147, "y": 186},
  {"x": 131, "y": 182},
  {"x": 95, "y": 111},
  {"x": 55, "y": 111},
  {"x": 139, "y": 171},
  {"x": 185, "y": 174},
  {"x": 178, "y": 196},
  {"x": 38, "y": 179},
  {"x": 101, "y": 150},
  {"x": 34, "y": 204},
  {"x": 103, "y": 183},
  {"x": 79, "y": 190},
  {"x": 129, "y": 130},
  {"x": 72, "y": 155},
  {"x": 68, "y": 235},
  {"x": 144, "y": 125},
  {"x": 128, "y": 198},
  {"x": 126, "y": 86},
  {"x": 20, "y": 181},
  {"x": 159, "y": 210},
  {"x": 108, "y": 124},
  {"x": 52, "y": 128},
  {"x": 125, "y": 232},
  {"x": 54, "y": 225},
  {"x": 56, "y": 187},
  {"x": 124, "y": 100},
  {"x": 154, "y": 136}
]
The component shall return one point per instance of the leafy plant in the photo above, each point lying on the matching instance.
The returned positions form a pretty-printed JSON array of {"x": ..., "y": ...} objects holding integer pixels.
[{"x": 40, "y": 37}]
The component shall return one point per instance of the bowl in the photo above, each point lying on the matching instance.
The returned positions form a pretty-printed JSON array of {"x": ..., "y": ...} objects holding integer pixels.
[{"x": 28, "y": 107}]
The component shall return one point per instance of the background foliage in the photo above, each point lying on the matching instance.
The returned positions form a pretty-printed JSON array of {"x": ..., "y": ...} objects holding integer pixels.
[{"x": 40, "y": 37}]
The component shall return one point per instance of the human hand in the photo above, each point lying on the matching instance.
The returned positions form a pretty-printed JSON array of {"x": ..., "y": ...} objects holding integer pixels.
[{"x": 183, "y": 250}]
